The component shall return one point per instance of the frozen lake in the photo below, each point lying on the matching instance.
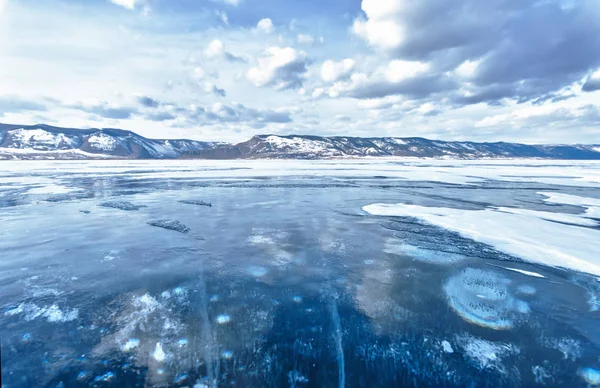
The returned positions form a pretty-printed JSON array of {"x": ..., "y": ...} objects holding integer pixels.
[{"x": 355, "y": 273}]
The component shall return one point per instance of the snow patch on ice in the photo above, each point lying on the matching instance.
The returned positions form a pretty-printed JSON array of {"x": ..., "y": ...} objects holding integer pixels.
[
  {"x": 520, "y": 235},
  {"x": 574, "y": 219}
]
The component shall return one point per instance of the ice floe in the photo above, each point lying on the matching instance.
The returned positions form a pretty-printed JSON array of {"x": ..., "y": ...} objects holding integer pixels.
[{"x": 521, "y": 235}]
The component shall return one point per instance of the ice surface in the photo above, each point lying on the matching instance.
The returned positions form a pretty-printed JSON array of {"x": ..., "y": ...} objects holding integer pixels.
[
  {"x": 520, "y": 235},
  {"x": 292, "y": 281},
  {"x": 475, "y": 172}
]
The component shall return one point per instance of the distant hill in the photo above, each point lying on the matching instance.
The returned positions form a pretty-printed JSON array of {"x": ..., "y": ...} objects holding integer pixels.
[{"x": 47, "y": 142}]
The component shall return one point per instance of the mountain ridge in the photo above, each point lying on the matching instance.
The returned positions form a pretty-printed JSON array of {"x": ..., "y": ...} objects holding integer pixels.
[{"x": 41, "y": 141}]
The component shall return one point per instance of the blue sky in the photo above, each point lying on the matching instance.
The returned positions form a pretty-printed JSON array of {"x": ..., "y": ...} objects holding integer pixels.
[{"x": 514, "y": 70}]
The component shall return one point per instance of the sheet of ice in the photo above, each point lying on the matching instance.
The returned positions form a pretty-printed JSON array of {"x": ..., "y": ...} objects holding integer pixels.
[
  {"x": 521, "y": 235},
  {"x": 571, "y": 173}
]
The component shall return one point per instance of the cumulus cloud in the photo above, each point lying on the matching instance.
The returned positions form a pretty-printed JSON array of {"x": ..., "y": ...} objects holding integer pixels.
[
  {"x": 236, "y": 112},
  {"x": 233, "y": 3},
  {"x": 332, "y": 71},
  {"x": 216, "y": 50},
  {"x": 14, "y": 104},
  {"x": 519, "y": 50},
  {"x": 265, "y": 25},
  {"x": 105, "y": 109},
  {"x": 147, "y": 102},
  {"x": 212, "y": 88},
  {"x": 280, "y": 68},
  {"x": 129, "y": 4},
  {"x": 305, "y": 39},
  {"x": 592, "y": 83},
  {"x": 152, "y": 109},
  {"x": 411, "y": 79}
]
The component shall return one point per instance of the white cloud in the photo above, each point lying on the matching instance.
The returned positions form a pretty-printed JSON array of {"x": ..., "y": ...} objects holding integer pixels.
[
  {"x": 382, "y": 27},
  {"x": 467, "y": 69},
  {"x": 399, "y": 70},
  {"x": 233, "y": 3},
  {"x": 265, "y": 25},
  {"x": 215, "y": 49},
  {"x": 332, "y": 71},
  {"x": 280, "y": 68},
  {"x": 129, "y": 4},
  {"x": 318, "y": 93},
  {"x": 199, "y": 73},
  {"x": 305, "y": 39},
  {"x": 223, "y": 16}
]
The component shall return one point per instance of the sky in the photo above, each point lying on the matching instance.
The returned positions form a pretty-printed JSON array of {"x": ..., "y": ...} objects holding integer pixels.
[{"x": 225, "y": 70}]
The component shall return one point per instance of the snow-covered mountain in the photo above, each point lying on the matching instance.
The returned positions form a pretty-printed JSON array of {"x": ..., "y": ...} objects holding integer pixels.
[
  {"x": 46, "y": 142},
  {"x": 315, "y": 147}
]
